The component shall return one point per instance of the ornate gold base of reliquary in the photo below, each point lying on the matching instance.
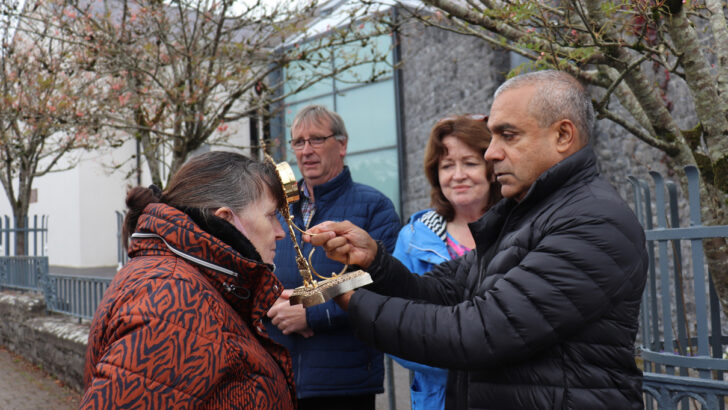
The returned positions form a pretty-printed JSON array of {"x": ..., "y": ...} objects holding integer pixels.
[{"x": 327, "y": 289}]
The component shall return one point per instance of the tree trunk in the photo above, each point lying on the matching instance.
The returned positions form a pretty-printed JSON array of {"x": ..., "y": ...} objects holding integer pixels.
[
  {"x": 153, "y": 158},
  {"x": 709, "y": 106},
  {"x": 713, "y": 212},
  {"x": 180, "y": 152},
  {"x": 20, "y": 206},
  {"x": 21, "y": 222}
]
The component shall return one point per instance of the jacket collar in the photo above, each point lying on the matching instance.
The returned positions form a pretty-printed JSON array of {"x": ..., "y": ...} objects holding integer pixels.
[
  {"x": 332, "y": 187},
  {"x": 224, "y": 231},
  {"x": 580, "y": 166},
  {"x": 255, "y": 288},
  {"x": 434, "y": 222},
  {"x": 430, "y": 246}
]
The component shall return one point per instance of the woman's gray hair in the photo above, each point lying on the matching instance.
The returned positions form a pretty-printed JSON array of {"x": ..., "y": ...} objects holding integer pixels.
[
  {"x": 219, "y": 179},
  {"x": 560, "y": 96},
  {"x": 320, "y": 116},
  {"x": 208, "y": 182}
]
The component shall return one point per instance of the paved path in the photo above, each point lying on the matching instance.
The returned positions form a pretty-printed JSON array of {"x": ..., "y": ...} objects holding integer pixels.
[
  {"x": 401, "y": 388},
  {"x": 24, "y": 386},
  {"x": 99, "y": 272}
]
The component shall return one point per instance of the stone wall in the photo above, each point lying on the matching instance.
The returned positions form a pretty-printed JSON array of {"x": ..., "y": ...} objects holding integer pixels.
[
  {"x": 444, "y": 73},
  {"x": 621, "y": 154},
  {"x": 56, "y": 343}
]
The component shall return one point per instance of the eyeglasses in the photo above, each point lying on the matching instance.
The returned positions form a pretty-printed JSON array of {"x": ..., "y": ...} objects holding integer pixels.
[{"x": 298, "y": 143}]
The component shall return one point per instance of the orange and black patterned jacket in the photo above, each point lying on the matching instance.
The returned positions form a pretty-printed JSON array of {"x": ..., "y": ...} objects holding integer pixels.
[{"x": 172, "y": 333}]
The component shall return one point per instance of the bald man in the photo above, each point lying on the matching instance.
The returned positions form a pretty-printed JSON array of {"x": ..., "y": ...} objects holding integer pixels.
[{"x": 543, "y": 313}]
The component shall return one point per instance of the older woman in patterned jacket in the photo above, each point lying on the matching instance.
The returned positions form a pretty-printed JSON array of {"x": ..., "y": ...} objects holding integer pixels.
[{"x": 180, "y": 325}]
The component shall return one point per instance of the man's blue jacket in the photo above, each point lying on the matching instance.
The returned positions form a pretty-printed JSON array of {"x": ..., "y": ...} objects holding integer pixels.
[{"x": 334, "y": 362}]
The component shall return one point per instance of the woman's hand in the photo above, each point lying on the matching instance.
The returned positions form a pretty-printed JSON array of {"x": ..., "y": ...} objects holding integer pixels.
[
  {"x": 289, "y": 318},
  {"x": 343, "y": 242}
]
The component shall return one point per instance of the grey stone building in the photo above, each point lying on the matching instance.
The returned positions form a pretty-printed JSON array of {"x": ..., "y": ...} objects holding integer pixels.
[{"x": 443, "y": 73}]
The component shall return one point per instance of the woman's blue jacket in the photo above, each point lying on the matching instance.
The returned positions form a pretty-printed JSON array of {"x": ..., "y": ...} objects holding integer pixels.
[{"x": 420, "y": 249}]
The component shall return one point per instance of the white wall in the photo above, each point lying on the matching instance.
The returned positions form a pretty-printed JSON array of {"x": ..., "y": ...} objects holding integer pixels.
[
  {"x": 80, "y": 204},
  {"x": 101, "y": 193}
]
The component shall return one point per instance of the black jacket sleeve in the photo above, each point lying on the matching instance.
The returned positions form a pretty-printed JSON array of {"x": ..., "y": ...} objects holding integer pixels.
[
  {"x": 445, "y": 285},
  {"x": 573, "y": 275}
]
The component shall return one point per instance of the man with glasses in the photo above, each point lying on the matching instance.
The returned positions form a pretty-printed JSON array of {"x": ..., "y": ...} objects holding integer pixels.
[{"x": 333, "y": 369}]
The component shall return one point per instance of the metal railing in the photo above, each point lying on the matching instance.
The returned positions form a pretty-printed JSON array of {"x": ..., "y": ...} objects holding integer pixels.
[
  {"x": 71, "y": 295},
  {"x": 38, "y": 231},
  {"x": 74, "y": 295},
  {"x": 23, "y": 272},
  {"x": 682, "y": 343}
]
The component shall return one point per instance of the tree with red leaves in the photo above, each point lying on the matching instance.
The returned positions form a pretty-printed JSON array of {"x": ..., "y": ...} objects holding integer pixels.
[
  {"x": 180, "y": 71},
  {"x": 48, "y": 107}
]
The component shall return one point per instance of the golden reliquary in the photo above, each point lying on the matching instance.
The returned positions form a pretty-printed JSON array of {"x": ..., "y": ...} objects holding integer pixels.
[{"x": 312, "y": 292}]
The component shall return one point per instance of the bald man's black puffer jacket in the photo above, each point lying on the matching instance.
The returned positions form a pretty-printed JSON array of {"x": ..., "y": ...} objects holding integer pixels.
[{"x": 543, "y": 315}]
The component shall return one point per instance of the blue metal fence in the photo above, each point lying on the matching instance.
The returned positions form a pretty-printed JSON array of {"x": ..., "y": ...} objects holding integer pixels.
[
  {"x": 23, "y": 272},
  {"x": 71, "y": 295},
  {"x": 682, "y": 343},
  {"x": 74, "y": 295},
  {"x": 38, "y": 231}
]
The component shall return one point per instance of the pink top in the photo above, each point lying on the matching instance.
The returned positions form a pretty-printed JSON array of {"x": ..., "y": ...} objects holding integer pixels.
[{"x": 454, "y": 248}]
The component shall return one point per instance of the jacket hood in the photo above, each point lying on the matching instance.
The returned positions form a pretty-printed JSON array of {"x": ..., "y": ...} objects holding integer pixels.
[{"x": 249, "y": 285}]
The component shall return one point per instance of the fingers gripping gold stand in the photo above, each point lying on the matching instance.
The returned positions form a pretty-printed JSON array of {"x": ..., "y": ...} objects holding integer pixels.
[{"x": 312, "y": 292}]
